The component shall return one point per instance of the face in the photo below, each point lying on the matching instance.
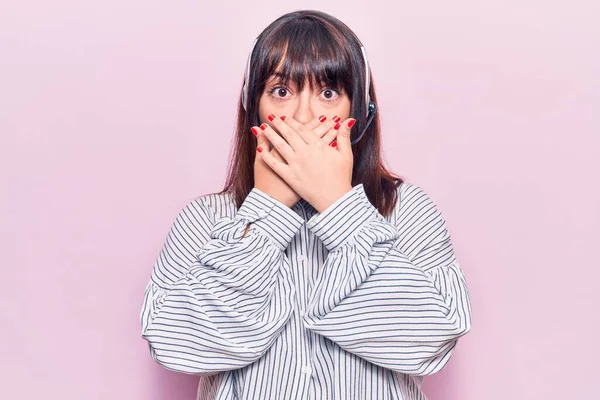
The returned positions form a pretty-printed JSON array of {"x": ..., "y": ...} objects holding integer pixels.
[{"x": 303, "y": 106}]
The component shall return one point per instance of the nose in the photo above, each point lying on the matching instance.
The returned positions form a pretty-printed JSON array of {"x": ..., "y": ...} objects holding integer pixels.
[{"x": 304, "y": 112}]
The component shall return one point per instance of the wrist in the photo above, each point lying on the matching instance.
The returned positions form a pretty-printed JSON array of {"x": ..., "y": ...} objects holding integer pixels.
[{"x": 324, "y": 202}]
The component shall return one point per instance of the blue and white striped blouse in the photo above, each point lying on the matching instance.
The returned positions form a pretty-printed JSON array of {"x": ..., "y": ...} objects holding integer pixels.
[{"x": 344, "y": 304}]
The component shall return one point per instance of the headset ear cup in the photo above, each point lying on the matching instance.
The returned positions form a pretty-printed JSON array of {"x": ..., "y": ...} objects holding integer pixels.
[{"x": 246, "y": 76}]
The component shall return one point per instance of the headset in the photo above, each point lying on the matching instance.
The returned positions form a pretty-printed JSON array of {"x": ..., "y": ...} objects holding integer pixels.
[{"x": 371, "y": 108}]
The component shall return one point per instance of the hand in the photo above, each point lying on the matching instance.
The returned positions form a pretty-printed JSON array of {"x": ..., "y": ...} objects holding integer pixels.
[
  {"x": 265, "y": 179},
  {"x": 315, "y": 171}
]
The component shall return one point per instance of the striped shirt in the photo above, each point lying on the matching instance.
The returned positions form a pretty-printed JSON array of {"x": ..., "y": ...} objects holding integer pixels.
[{"x": 344, "y": 304}]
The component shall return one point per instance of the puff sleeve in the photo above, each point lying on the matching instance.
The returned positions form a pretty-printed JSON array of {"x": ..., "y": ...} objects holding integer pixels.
[
  {"x": 392, "y": 293},
  {"x": 216, "y": 300}
]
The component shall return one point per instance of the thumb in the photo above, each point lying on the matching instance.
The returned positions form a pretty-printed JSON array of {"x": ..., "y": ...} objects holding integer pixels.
[{"x": 343, "y": 137}]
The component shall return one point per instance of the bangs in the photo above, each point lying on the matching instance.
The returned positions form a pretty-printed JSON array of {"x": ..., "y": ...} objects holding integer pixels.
[{"x": 305, "y": 51}]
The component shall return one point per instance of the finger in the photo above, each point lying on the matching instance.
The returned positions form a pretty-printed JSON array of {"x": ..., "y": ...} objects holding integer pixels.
[
  {"x": 315, "y": 122},
  {"x": 278, "y": 142},
  {"x": 279, "y": 167},
  {"x": 325, "y": 127},
  {"x": 341, "y": 130},
  {"x": 331, "y": 134},
  {"x": 272, "y": 150},
  {"x": 319, "y": 126},
  {"x": 291, "y": 135},
  {"x": 261, "y": 140},
  {"x": 301, "y": 132}
]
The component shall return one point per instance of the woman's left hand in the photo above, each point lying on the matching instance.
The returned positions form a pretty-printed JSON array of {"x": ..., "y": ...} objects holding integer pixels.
[{"x": 317, "y": 172}]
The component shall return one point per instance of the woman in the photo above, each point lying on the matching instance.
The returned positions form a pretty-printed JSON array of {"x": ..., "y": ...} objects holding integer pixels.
[{"x": 315, "y": 273}]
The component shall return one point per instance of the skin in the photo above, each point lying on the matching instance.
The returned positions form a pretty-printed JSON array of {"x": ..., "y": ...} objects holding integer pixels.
[{"x": 297, "y": 159}]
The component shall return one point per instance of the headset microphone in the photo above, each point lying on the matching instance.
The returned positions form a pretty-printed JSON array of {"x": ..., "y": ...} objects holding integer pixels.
[{"x": 370, "y": 115}]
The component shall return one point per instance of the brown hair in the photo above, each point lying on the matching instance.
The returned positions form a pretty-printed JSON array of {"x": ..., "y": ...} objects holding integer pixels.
[{"x": 316, "y": 45}]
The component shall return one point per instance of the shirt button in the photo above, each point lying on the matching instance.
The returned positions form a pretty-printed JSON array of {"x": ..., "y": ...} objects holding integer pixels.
[
  {"x": 262, "y": 213},
  {"x": 300, "y": 258},
  {"x": 306, "y": 369}
]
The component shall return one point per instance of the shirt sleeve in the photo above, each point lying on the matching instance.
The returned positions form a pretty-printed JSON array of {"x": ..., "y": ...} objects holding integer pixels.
[
  {"x": 216, "y": 300},
  {"x": 392, "y": 293}
]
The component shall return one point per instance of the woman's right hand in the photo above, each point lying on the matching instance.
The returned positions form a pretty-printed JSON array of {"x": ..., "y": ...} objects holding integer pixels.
[{"x": 267, "y": 180}]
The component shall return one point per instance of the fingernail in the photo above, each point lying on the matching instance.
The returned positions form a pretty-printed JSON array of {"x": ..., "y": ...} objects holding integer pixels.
[
  {"x": 336, "y": 119},
  {"x": 322, "y": 118},
  {"x": 351, "y": 123},
  {"x": 282, "y": 117},
  {"x": 263, "y": 126},
  {"x": 254, "y": 131},
  {"x": 259, "y": 149},
  {"x": 333, "y": 144},
  {"x": 271, "y": 117},
  {"x": 337, "y": 126}
]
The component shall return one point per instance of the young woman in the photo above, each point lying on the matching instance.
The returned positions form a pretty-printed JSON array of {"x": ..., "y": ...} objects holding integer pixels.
[{"x": 315, "y": 273}]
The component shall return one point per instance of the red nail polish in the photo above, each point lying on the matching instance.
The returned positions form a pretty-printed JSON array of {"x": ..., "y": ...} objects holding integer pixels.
[
  {"x": 322, "y": 118},
  {"x": 254, "y": 131},
  {"x": 334, "y": 144},
  {"x": 337, "y": 126},
  {"x": 271, "y": 117},
  {"x": 259, "y": 149},
  {"x": 351, "y": 123},
  {"x": 336, "y": 119},
  {"x": 282, "y": 117},
  {"x": 263, "y": 126}
]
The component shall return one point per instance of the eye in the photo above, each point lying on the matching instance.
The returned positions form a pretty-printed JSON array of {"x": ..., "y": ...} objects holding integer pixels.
[
  {"x": 279, "y": 92},
  {"x": 330, "y": 94}
]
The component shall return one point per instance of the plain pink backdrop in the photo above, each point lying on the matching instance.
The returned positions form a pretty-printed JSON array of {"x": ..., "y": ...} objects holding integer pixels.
[{"x": 115, "y": 114}]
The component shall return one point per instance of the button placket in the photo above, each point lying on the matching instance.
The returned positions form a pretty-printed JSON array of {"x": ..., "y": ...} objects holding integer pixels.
[
  {"x": 306, "y": 352},
  {"x": 302, "y": 272},
  {"x": 301, "y": 261}
]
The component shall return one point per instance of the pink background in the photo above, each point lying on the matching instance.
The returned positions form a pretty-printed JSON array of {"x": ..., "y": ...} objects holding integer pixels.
[{"x": 114, "y": 114}]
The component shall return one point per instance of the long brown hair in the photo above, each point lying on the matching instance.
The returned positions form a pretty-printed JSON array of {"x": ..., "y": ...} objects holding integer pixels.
[{"x": 316, "y": 45}]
